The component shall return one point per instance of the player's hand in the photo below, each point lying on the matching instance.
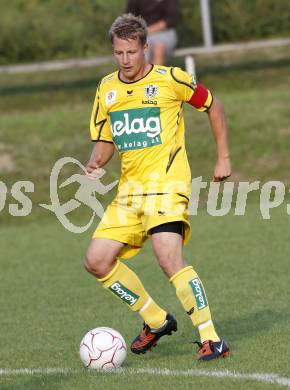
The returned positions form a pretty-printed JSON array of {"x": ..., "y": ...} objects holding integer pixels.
[
  {"x": 92, "y": 170},
  {"x": 222, "y": 169},
  {"x": 91, "y": 166}
]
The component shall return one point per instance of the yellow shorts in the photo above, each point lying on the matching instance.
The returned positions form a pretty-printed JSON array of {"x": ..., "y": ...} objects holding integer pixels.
[{"x": 129, "y": 220}]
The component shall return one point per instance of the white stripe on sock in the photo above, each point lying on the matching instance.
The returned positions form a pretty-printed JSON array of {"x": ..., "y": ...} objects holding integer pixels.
[
  {"x": 148, "y": 303},
  {"x": 205, "y": 325}
]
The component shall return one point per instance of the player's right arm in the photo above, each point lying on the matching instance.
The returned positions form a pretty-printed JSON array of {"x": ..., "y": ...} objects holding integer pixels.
[
  {"x": 101, "y": 154},
  {"x": 100, "y": 134}
]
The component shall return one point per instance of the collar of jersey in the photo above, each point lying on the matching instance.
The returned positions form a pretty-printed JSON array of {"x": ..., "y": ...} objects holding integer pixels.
[{"x": 136, "y": 81}]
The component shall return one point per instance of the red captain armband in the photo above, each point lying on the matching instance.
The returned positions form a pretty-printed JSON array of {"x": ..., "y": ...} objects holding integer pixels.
[{"x": 201, "y": 98}]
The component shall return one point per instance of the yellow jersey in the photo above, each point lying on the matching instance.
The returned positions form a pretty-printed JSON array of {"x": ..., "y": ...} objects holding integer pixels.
[{"x": 144, "y": 119}]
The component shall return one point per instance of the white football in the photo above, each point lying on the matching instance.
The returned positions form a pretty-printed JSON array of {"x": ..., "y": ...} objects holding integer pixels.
[{"x": 103, "y": 348}]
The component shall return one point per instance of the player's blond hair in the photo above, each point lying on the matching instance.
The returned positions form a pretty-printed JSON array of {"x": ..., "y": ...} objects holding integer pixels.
[{"x": 129, "y": 26}]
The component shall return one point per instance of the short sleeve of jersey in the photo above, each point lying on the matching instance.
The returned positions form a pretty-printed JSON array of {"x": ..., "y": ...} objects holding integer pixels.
[
  {"x": 184, "y": 84},
  {"x": 100, "y": 123},
  {"x": 187, "y": 89}
]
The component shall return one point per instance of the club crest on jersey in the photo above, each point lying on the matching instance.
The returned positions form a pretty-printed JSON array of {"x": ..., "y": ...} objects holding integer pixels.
[
  {"x": 150, "y": 91},
  {"x": 111, "y": 97}
]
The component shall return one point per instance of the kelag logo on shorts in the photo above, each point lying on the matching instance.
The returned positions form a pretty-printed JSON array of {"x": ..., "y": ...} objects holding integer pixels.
[
  {"x": 136, "y": 129},
  {"x": 123, "y": 293},
  {"x": 199, "y": 293}
]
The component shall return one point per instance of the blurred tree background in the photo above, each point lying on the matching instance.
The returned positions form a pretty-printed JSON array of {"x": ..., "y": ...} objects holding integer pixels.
[{"x": 33, "y": 30}]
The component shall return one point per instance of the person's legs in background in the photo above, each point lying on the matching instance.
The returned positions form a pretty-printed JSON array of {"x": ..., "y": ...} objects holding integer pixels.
[{"x": 161, "y": 45}]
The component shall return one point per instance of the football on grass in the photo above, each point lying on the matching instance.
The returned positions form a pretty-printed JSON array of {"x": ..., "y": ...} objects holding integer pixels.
[{"x": 103, "y": 348}]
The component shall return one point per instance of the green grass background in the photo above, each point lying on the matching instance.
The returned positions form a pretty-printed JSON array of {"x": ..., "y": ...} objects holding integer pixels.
[{"x": 48, "y": 301}]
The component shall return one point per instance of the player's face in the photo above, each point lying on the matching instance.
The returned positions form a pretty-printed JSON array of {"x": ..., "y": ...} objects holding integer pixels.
[{"x": 130, "y": 56}]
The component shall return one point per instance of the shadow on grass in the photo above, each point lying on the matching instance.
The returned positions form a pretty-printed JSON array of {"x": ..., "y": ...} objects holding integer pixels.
[{"x": 252, "y": 324}]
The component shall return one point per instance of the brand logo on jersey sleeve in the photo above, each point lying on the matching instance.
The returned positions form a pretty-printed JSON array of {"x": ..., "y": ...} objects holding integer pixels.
[
  {"x": 108, "y": 78},
  {"x": 161, "y": 71},
  {"x": 111, "y": 97},
  {"x": 150, "y": 91},
  {"x": 193, "y": 81},
  {"x": 136, "y": 129}
]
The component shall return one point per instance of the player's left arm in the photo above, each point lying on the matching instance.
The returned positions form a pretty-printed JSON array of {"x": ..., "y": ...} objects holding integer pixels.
[
  {"x": 188, "y": 90},
  {"x": 219, "y": 128},
  {"x": 204, "y": 101}
]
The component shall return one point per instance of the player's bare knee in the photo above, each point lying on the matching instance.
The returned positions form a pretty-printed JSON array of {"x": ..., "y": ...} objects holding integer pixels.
[
  {"x": 169, "y": 262},
  {"x": 164, "y": 251},
  {"x": 97, "y": 265},
  {"x": 90, "y": 264}
]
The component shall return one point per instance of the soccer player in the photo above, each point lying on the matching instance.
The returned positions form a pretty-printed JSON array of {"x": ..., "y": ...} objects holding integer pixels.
[{"x": 138, "y": 110}]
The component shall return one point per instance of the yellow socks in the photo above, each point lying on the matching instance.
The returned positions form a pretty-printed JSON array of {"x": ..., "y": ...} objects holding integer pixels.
[
  {"x": 126, "y": 285},
  {"x": 191, "y": 294}
]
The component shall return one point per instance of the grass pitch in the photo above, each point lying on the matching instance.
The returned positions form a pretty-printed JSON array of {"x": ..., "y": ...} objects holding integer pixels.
[{"x": 48, "y": 301}]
